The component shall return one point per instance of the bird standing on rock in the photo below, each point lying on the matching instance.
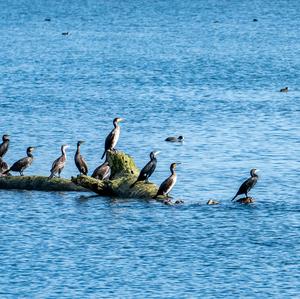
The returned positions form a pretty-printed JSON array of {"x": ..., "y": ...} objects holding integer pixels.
[
  {"x": 3, "y": 166},
  {"x": 148, "y": 169},
  {"x": 23, "y": 163},
  {"x": 4, "y": 145},
  {"x": 113, "y": 137},
  {"x": 79, "y": 160},
  {"x": 59, "y": 164},
  {"x": 248, "y": 184},
  {"x": 168, "y": 184}
]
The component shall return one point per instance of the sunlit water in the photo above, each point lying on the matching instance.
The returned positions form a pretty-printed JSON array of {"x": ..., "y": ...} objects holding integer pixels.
[{"x": 202, "y": 69}]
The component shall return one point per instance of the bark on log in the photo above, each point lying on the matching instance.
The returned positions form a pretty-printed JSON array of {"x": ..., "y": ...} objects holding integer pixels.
[{"x": 40, "y": 183}]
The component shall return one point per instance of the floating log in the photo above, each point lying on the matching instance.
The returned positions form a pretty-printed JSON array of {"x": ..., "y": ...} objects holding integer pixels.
[
  {"x": 40, "y": 183},
  {"x": 123, "y": 174}
]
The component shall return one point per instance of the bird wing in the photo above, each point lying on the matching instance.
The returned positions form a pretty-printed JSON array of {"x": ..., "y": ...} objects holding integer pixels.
[
  {"x": 3, "y": 148},
  {"x": 81, "y": 164},
  {"x": 166, "y": 186},
  {"x": 20, "y": 164},
  {"x": 109, "y": 139},
  {"x": 84, "y": 165},
  {"x": 147, "y": 171},
  {"x": 58, "y": 164},
  {"x": 246, "y": 186}
]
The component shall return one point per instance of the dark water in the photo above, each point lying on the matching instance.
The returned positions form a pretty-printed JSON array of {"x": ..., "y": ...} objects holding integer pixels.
[{"x": 202, "y": 69}]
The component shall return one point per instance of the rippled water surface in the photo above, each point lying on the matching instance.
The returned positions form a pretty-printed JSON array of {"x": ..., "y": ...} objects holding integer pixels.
[{"x": 202, "y": 69}]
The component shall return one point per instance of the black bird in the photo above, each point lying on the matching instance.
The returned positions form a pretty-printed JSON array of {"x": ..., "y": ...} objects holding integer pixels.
[
  {"x": 79, "y": 160},
  {"x": 286, "y": 89},
  {"x": 59, "y": 164},
  {"x": 3, "y": 166},
  {"x": 248, "y": 184},
  {"x": 23, "y": 163},
  {"x": 148, "y": 169},
  {"x": 113, "y": 137},
  {"x": 65, "y": 33},
  {"x": 102, "y": 172},
  {"x": 4, "y": 145},
  {"x": 167, "y": 185},
  {"x": 175, "y": 139}
]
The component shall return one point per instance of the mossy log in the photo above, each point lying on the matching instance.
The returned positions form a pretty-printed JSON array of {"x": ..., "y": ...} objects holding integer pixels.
[
  {"x": 124, "y": 173},
  {"x": 40, "y": 183}
]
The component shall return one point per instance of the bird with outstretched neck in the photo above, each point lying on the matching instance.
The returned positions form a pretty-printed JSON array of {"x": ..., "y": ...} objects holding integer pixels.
[
  {"x": 148, "y": 169},
  {"x": 23, "y": 163},
  {"x": 168, "y": 184},
  {"x": 59, "y": 164},
  {"x": 79, "y": 160},
  {"x": 248, "y": 184},
  {"x": 113, "y": 137}
]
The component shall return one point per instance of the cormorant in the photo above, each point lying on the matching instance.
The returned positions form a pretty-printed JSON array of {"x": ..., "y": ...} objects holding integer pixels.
[
  {"x": 102, "y": 172},
  {"x": 175, "y": 139},
  {"x": 23, "y": 163},
  {"x": 65, "y": 33},
  {"x": 59, "y": 164},
  {"x": 113, "y": 137},
  {"x": 79, "y": 161},
  {"x": 286, "y": 89},
  {"x": 3, "y": 166},
  {"x": 4, "y": 145},
  {"x": 167, "y": 185},
  {"x": 148, "y": 169},
  {"x": 248, "y": 184}
]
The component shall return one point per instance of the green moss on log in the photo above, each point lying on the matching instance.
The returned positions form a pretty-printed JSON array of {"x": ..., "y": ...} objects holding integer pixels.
[{"x": 40, "y": 183}]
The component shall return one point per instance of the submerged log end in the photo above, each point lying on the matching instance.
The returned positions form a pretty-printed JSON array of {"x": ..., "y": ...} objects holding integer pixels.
[{"x": 246, "y": 200}]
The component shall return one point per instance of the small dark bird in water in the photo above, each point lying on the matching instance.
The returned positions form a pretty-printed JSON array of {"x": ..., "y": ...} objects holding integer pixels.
[
  {"x": 148, "y": 169},
  {"x": 65, "y": 33},
  {"x": 255, "y": 20},
  {"x": 175, "y": 139},
  {"x": 3, "y": 166},
  {"x": 79, "y": 160},
  {"x": 59, "y": 164},
  {"x": 113, "y": 137},
  {"x": 248, "y": 184},
  {"x": 4, "y": 145},
  {"x": 47, "y": 20},
  {"x": 23, "y": 163},
  {"x": 102, "y": 172},
  {"x": 286, "y": 89},
  {"x": 169, "y": 183}
]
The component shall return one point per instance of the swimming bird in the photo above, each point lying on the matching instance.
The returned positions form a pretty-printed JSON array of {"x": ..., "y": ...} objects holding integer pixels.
[
  {"x": 167, "y": 185},
  {"x": 286, "y": 89},
  {"x": 79, "y": 160},
  {"x": 65, "y": 33},
  {"x": 59, "y": 164},
  {"x": 102, "y": 172},
  {"x": 175, "y": 139},
  {"x": 3, "y": 166},
  {"x": 4, "y": 145},
  {"x": 113, "y": 137},
  {"x": 248, "y": 184},
  {"x": 23, "y": 163},
  {"x": 148, "y": 169}
]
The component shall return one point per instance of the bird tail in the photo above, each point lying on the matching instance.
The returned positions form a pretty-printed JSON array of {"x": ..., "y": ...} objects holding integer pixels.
[
  {"x": 132, "y": 185},
  {"x": 6, "y": 171},
  {"x": 234, "y": 197},
  {"x": 103, "y": 155}
]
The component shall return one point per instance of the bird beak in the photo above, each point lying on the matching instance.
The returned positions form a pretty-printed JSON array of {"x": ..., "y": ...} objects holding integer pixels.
[
  {"x": 121, "y": 119},
  {"x": 156, "y": 153},
  {"x": 178, "y": 163}
]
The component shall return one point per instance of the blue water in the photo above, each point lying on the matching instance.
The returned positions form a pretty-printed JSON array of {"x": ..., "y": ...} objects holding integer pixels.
[{"x": 202, "y": 69}]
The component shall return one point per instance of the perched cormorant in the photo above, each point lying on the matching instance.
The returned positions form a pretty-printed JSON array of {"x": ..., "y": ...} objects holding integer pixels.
[
  {"x": 175, "y": 139},
  {"x": 59, "y": 164},
  {"x": 113, "y": 137},
  {"x": 65, "y": 33},
  {"x": 3, "y": 166},
  {"x": 4, "y": 145},
  {"x": 148, "y": 169},
  {"x": 248, "y": 184},
  {"x": 286, "y": 89},
  {"x": 167, "y": 185},
  {"x": 23, "y": 163},
  {"x": 102, "y": 172},
  {"x": 79, "y": 161}
]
